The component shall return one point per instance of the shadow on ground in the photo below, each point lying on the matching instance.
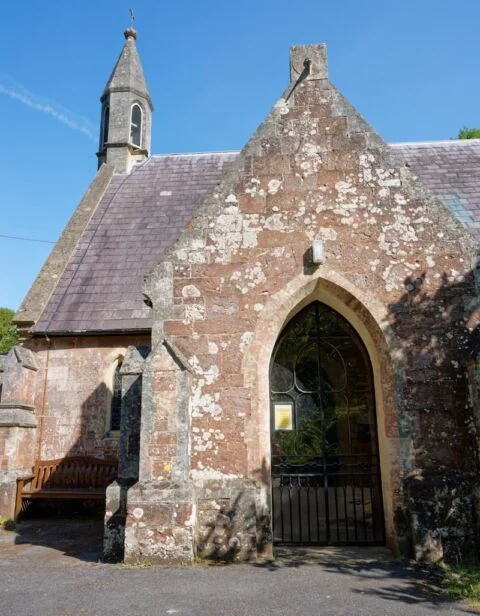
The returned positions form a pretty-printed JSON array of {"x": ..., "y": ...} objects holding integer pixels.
[
  {"x": 74, "y": 529},
  {"x": 80, "y": 539},
  {"x": 406, "y": 582},
  {"x": 368, "y": 571}
]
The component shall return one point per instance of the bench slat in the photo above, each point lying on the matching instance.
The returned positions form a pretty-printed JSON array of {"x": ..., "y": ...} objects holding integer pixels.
[{"x": 75, "y": 477}]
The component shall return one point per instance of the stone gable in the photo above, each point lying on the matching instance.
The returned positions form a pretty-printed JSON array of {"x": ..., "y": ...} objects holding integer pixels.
[{"x": 397, "y": 263}]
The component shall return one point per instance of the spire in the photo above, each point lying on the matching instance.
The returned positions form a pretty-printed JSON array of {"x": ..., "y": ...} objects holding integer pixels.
[
  {"x": 128, "y": 72},
  {"x": 126, "y": 111}
]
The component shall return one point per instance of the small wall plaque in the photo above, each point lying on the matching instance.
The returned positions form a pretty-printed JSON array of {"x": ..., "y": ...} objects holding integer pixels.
[{"x": 283, "y": 414}]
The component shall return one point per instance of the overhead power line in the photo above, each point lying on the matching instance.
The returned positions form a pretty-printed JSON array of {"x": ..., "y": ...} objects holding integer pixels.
[{"x": 26, "y": 239}]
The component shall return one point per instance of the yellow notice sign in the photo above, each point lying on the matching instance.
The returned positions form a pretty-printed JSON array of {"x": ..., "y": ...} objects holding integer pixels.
[{"x": 283, "y": 416}]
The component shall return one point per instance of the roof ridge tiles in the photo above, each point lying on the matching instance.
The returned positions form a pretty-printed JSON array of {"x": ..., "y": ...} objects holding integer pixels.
[
  {"x": 207, "y": 153},
  {"x": 460, "y": 142}
]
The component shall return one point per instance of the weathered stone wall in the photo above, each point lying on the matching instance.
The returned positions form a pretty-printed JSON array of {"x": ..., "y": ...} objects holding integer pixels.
[
  {"x": 17, "y": 422},
  {"x": 73, "y": 403},
  {"x": 161, "y": 507},
  {"x": 129, "y": 454},
  {"x": 398, "y": 266},
  {"x": 55, "y": 403}
]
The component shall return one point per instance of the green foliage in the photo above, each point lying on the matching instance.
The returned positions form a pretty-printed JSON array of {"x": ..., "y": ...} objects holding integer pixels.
[
  {"x": 463, "y": 583},
  {"x": 8, "y": 331},
  {"x": 6, "y": 523},
  {"x": 307, "y": 440},
  {"x": 468, "y": 133}
]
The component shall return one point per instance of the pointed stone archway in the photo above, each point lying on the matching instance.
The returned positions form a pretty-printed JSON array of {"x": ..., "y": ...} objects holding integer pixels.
[
  {"x": 368, "y": 319},
  {"x": 326, "y": 483}
]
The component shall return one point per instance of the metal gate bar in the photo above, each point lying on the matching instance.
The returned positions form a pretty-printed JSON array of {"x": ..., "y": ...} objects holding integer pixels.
[{"x": 327, "y": 501}]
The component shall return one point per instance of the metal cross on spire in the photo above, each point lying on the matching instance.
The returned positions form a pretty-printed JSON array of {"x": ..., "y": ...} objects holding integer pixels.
[{"x": 132, "y": 19}]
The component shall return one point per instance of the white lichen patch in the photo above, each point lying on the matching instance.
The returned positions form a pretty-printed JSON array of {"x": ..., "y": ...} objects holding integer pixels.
[
  {"x": 193, "y": 312},
  {"x": 281, "y": 106},
  {"x": 249, "y": 279},
  {"x": 274, "y": 223},
  {"x": 205, "y": 404},
  {"x": 274, "y": 186},
  {"x": 232, "y": 231},
  {"x": 254, "y": 188},
  {"x": 344, "y": 189},
  {"x": 399, "y": 199},
  {"x": 190, "y": 290},
  {"x": 399, "y": 232},
  {"x": 394, "y": 275},
  {"x": 245, "y": 340},
  {"x": 327, "y": 233},
  {"x": 212, "y": 348},
  {"x": 210, "y": 375}
]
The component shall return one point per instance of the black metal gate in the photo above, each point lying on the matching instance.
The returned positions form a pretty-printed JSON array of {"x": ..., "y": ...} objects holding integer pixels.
[
  {"x": 326, "y": 485},
  {"x": 321, "y": 501}
]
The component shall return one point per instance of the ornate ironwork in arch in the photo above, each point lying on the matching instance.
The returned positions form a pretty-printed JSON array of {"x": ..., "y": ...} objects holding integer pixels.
[{"x": 325, "y": 468}]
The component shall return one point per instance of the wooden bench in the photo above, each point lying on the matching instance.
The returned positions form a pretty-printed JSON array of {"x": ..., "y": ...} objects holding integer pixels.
[{"x": 79, "y": 478}]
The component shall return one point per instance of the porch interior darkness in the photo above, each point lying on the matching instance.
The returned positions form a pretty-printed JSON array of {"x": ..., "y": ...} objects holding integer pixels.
[{"x": 326, "y": 486}]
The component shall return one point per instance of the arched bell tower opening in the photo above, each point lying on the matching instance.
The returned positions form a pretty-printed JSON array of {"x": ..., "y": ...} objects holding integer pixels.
[{"x": 325, "y": 463}]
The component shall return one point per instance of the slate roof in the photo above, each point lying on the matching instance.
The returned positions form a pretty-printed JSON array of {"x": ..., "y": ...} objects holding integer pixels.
[
  {"x": 138, "y": 218},
  {"x": 451, "y": 171},
  {"x": 142, "y": 214}
]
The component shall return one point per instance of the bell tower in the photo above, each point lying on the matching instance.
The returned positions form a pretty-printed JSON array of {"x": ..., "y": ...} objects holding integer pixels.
[{"x": 126, "y": 119}]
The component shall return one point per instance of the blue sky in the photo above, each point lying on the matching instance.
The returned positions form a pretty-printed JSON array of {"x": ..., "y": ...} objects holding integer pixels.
[{"x": 214, "y": 69}]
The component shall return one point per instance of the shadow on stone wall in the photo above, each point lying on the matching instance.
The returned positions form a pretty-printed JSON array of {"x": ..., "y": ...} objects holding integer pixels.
[
  {"x": 234, "y": 521},
  {"x": 440, "y": 343},
  {"x": 123, "y": 452}
]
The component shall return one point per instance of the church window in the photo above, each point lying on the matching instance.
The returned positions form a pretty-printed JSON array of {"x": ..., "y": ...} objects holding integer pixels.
[
  {"x": 116, "y": 403},
  {"x": 105, "y": 123},
  {"x": 136, "y": 126}
]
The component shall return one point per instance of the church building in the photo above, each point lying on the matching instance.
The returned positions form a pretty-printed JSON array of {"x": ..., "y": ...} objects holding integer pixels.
[{"x": 236, "y": 350}]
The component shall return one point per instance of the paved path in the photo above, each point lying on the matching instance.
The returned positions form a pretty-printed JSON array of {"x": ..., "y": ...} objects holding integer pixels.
[{"x": 53, "y": 570}]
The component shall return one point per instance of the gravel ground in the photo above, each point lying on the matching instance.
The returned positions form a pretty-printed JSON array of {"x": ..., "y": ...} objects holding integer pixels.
[{"x": 52, "y": 568}]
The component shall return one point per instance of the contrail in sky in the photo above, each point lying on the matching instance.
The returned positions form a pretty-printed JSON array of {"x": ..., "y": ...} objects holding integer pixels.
[{"x": 16, "y": 91}]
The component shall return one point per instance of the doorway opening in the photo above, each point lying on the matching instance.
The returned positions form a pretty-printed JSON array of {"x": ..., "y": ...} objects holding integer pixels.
[{"x": 326, "y": 483}]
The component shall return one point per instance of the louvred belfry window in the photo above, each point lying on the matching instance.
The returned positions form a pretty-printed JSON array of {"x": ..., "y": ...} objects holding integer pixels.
[
  {"x": 136, "y": 126},
  {"x": 105, "y": 122}
]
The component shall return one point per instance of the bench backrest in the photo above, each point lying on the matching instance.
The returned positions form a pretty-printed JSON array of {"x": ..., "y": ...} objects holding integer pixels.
[{"x": 74, "y": 473}]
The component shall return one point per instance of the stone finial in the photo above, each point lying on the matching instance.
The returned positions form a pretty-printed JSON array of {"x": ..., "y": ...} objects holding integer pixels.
[
  {"x": 308, "y": 62},
  {"x": 130, "y": 33}
]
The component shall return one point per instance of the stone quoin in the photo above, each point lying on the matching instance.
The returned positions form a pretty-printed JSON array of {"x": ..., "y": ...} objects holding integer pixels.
[{"x": 277, "y": 344}]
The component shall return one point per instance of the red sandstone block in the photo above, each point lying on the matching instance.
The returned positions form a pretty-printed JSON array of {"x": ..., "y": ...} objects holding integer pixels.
[
  {"x": 220, "y": 325},
  {"x": 177, "y": 327},
  {"x": 231, "y": 361},
  {"x": 251, "y": 204},
  {"x": 182, "y": 271},
  {"x": 266, "y": 168},
  {"x": 299, "y": 183},
  {"x": 272, "y": 239},
  {"x": 220, "y": 270}
]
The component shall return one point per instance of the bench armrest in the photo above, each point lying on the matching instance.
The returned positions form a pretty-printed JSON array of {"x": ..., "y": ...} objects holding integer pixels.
[{"x": 21, "y": 481}]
